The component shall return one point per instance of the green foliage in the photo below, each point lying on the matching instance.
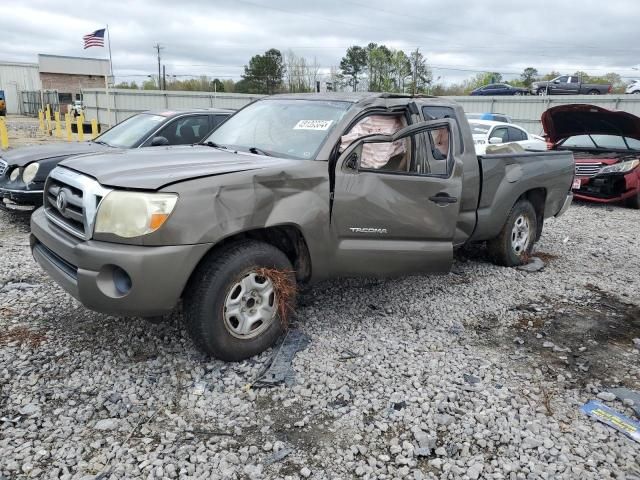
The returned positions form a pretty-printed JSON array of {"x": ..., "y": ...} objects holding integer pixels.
[
  {"x": 528, "y": 76},
  {"x": 265, "y": 73},
  {"x": 353, "y": 65}
]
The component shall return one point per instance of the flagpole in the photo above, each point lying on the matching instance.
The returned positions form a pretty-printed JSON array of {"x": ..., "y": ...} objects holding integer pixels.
[{"x": 106, "y": 83}]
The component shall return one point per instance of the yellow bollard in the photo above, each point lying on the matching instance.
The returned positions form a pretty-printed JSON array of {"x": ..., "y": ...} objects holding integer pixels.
[
  {"x": 94, "y": 128},
  {"x": 48, "y": 117},
  {"x": 67, "y": 125},
  {"x": 80, "y": 125},
  {"x": 41, "y": 118},
  {"x": 4, "y": 137},
  {"x": 58, "y": 127}
]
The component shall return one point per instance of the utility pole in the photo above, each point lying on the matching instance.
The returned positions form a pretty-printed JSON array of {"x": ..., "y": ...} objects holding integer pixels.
[
  {"x": 415, "y": 70},
  {"x": 164, "y": 77},
  {"x": 158, "y": 47}
]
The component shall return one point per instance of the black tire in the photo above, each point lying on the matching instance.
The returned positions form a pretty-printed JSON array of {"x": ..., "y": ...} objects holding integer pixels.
[
  {"x": 502, "y": 248},
  {"x": 206, "y": 293},
  {"x": 634, "y": 202},
  {"x": 541, "y": 91},
  {"x": 593, "y": 92}
]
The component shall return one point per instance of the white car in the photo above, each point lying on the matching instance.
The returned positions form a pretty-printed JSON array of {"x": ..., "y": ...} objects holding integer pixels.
[
  {"x": 633, "y": 87},
  {"x": 486, "y": 132}
]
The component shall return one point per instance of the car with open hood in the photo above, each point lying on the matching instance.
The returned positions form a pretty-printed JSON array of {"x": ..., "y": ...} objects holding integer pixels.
[
  {"x": 606, "y": 147},
  {"x": 23, "y": 171}
]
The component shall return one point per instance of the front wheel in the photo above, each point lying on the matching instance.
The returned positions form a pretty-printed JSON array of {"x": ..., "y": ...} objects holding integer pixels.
[
  {"x": 514, "y": 244},
  {"x": 234, "y": 301},
  {"x": 541, "y": 91}
]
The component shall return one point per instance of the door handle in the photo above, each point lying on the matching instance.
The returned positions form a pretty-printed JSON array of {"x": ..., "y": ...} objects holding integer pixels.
[{"x": 443, "y": 198}]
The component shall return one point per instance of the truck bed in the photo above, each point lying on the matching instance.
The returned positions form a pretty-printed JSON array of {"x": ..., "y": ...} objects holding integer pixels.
[{"x": 505, "y": 177}]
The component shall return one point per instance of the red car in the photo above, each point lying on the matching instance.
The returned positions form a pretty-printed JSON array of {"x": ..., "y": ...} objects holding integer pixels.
[{"x": 606, "y": 147}]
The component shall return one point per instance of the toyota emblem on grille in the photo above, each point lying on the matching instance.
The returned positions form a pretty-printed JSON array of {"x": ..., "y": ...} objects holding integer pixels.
[{"x": 61, "y": 201}]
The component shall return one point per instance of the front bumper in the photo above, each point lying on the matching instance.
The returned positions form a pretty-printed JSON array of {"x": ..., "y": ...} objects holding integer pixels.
[
  {"x": 608, "y": 188},
  {"x": 92, "y": 271},
  {"x": 21, "y": 200}
]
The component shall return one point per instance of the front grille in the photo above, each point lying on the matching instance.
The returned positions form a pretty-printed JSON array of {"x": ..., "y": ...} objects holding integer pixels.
[
  {"x": 71, "y": 201},
  {"x": 3, "y": 167},
  {"x": 587, "y": 169}
]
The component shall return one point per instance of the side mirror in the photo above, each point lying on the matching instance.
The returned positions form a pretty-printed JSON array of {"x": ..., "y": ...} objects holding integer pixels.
[
  {"x": 159, "y": 141},
  {"x": 556, "y": 81},
  {"x": 495, "y": 141}
]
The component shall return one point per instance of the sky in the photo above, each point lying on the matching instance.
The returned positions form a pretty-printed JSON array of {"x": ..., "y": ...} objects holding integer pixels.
[{"x": 218, "y": 37}]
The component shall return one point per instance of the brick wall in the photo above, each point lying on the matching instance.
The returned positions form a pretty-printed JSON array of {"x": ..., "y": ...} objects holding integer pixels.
[{"x": 64, "y": 83}]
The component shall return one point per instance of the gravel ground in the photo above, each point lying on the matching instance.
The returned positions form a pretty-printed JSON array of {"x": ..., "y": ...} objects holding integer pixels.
[{"x": 476, "y": 374}]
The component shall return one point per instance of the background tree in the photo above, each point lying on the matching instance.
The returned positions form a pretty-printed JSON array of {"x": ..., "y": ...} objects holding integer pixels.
[
  {"x": 421, "y": 75},
  {"x": 528, "y": 76},
  {"x": 353, "y": 65},
  {"x": 265, "y": 73}
]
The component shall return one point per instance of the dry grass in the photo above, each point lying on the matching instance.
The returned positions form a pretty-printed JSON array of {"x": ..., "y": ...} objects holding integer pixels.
[
  {"x": 547, "y": 395},
  {"x": 23, "y": 336},
  {"x": 285, "y": 291}
]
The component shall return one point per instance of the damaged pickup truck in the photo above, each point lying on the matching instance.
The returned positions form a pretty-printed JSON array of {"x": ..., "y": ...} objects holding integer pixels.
[
  {"x": 606, "y": 145},
  {"x": 291, "y": 189}
]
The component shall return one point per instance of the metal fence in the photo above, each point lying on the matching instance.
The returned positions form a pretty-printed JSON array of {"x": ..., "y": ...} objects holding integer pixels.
[
  {"x": 35, "y": 100},
  {"x": 123, "y": 103},
  {"x": 524, "y": 111}
]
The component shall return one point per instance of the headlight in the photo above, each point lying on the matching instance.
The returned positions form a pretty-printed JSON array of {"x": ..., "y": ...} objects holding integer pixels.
[
  {"x": 29, "y": 173},
  {"x": 132, "y": 214},
  {"x": 622, "y": 167},
  {"x": 14, "y": 174}
]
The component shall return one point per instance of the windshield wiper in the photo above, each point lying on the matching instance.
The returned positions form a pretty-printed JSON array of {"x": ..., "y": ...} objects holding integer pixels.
[
  {"x": 215, "y": 145},
  {"x": 258, "y": 151},
  {"x": 100, "y": 142}
]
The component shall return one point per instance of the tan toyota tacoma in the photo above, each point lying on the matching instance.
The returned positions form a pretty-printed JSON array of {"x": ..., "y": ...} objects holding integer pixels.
[{"x": 291, "y": 189}]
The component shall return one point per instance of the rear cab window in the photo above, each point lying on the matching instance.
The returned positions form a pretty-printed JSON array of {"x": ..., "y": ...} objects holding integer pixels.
[{"x": 434, "y": 112}]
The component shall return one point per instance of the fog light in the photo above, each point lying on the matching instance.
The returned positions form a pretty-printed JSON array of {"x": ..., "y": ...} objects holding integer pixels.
[{"x": 121, "y": 280}]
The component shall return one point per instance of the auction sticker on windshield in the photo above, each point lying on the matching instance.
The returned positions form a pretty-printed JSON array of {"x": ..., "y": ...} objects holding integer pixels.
[{"x": 313, "y": 125}]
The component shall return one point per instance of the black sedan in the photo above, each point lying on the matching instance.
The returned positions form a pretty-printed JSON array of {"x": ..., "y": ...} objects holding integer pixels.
[
  {"x": 499, "y": 89},
  {"x": 24, "y": 170}
]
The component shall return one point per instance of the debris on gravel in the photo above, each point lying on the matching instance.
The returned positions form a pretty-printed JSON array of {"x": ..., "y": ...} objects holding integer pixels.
[{"x": 423, "y": 377}]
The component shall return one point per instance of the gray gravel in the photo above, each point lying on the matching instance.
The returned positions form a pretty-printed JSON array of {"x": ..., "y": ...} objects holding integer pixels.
[{"x": 422, "y": 377}]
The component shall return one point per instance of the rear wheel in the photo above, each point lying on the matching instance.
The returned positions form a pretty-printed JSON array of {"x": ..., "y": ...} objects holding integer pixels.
[
  {"x": 541, "y": 91},
  {"x": 594, "y": 92},
  {"x": 231, "y": 307},
  {"x": 515, "y": 242}
]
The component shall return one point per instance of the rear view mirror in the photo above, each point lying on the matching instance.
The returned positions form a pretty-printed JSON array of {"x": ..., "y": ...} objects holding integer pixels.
[
  {"x": 159, "y": 141},
  {"x": 495, "y": 140}
]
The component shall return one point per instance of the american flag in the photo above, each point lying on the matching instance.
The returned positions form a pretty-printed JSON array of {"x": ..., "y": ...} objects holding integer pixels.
[{"x": 95, "y": 39}]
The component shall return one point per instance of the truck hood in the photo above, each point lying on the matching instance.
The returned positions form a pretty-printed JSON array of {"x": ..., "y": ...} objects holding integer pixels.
[
  {"x": 154, "y": 168},
  {"x": 25, "y": 155},
  {"x": 566, "y": 121}
]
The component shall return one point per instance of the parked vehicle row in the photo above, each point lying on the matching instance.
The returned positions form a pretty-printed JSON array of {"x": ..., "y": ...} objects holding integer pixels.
[
  {"x": 499, "y": 89},
  {"x": 486, "y": 133},
  {"x": 23, "y": 171}
]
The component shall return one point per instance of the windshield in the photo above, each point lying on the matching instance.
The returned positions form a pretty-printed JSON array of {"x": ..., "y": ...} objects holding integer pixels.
[
  {"x": 479, "y": 128},
  {"x": 129, "y": 133},
  {"x": 288, "y": 128},
  {"x": 614, "y": 142}
]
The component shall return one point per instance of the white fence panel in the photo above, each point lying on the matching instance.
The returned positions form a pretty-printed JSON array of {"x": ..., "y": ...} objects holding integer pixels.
[
  {"x": 124, "y": 102},
  {"x": 525, "y": 111}
]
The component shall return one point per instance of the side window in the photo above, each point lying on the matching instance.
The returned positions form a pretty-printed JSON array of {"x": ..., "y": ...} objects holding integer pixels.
[
  {"x": 563, "y": 79},
  {"x": 217, "y": 120},
  {"x": 438, "y": 113},
  {"x": 186, "y": 130},
  {"x": 389, "y": 156},
  {"x": 426, "y": 153},
  {"x": 516, "y": 135},
  {"x": 574, "y": 79},
  {"x": 501, "y": 133}
]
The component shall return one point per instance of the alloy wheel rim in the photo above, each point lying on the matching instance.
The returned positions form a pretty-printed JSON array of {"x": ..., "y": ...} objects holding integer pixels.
[{"x": 520, "y": 234}]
